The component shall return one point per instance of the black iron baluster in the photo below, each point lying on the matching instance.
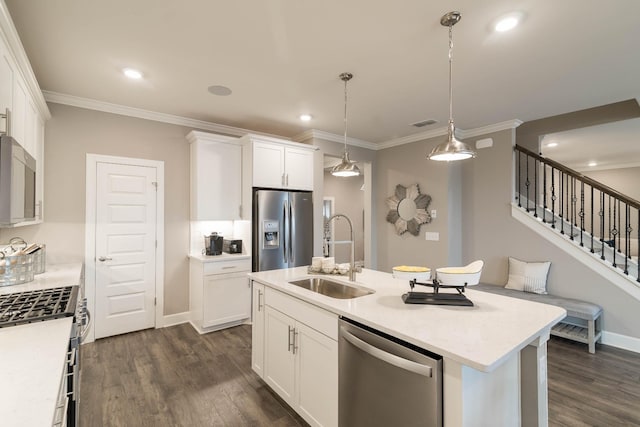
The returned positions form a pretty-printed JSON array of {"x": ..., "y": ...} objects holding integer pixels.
[
  {"x": 526, "y": 184},
  {"x": 553, "y": 197},
  {"x": 561, "y": 202},
  {"x": 602, "y": 224},
  {"x": 638, "y": 256},
  {"x": 535, "y": 188},
  {"x": 614, "y": 230},
  {"x": 581, "y": 213},
  {"x": 544, "y": 193},
  {"x": 592, "y": 227},
  {"x": 627, "y": 242},
  {"x": 619, "y": 228},
  {"x": 572, "y": 215},
  {"x": 519, "y": 193}
]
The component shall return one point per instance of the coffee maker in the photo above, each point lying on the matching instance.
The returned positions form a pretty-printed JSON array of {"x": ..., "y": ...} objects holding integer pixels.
[{"x": 213, "y": 244}]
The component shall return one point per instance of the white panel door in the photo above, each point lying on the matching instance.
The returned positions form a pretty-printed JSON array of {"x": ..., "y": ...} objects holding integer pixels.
[
  {"x": 125, "y": 248},
  {"x": 299, "y": 168},
  {"x": 227, "y": 298},
  {"x": 268, "y": 165},
  {"x": 279, "y": 369}
]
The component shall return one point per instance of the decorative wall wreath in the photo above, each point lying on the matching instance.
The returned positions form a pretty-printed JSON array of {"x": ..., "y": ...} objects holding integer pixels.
[{"x": 408, "y": 209}]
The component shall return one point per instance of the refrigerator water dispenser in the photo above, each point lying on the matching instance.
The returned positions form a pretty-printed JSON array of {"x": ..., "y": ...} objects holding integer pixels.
[{"x": 270, "y": 234}]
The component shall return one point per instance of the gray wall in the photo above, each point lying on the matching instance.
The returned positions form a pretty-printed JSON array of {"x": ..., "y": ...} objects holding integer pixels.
[
  {"x": 349, "y": 200},
  {"x": 406, "y": 165},
  {"x": 491, "y": 234},
  {"x": 624, "y": 180},
  {"x": 70, "y": 135}
]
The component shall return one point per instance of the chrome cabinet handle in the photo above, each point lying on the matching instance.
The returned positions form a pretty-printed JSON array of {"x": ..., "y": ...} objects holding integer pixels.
[
  {"x": 105, "y": 258},
  {"x": 259, "y": 300},
  {"x": 286, "y": 182},
  {"x": 295, "y": 341},
  {"x": 290, "y": 343}
]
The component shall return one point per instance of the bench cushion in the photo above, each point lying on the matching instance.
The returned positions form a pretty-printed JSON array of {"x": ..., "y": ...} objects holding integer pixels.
[{"x": 575, "y": 308}]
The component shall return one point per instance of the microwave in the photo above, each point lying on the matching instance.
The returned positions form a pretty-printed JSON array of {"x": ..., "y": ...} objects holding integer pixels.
[{"x": 17, "y": 183}]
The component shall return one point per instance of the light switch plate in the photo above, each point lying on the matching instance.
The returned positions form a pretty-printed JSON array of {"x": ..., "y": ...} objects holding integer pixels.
[
  {"x": 434, "y": 213},
  {"x": 432, "y": 235}
]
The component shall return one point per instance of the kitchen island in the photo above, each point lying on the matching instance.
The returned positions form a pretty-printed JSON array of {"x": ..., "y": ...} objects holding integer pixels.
[{"x": 494, "y": 353}]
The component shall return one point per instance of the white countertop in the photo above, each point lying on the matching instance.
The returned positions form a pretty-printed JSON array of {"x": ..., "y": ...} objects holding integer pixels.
[
  {"x": 32, "y": 356},
  {"x": 32, "y": 360},
  {"x": 217, "y": 258},
  {"x": 482, "y": 336},
  {"x": 56, "y": 275}
]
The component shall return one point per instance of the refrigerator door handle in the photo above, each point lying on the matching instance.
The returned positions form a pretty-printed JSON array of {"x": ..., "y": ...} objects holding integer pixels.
[
  {"x": 291, "y": 227},
  {"x": 285, "y": 230}
]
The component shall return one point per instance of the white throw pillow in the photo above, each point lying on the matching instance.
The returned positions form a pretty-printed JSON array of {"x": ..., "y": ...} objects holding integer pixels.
[{"x": 528, "y": 276}]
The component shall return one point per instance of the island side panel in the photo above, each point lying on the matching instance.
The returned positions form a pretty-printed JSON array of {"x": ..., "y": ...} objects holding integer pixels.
[
  {"x": 473, "y": 398},
  {"x": 533, "y": 371}
]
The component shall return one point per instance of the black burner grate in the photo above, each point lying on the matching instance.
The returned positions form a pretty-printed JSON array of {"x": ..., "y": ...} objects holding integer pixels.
[{"x": 35, "y": 306}]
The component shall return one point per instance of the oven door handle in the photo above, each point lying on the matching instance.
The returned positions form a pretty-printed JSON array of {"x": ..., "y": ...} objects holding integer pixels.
[{"x": 392, "y": 359}]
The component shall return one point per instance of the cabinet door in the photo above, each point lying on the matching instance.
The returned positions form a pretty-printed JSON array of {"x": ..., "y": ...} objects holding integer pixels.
[
  {"x": 299, "y": 168},
  {"x": 268, "y": 165},
  {"x": 279, "y": 369},
  {"x": 216, "y": 170},
  {"x": 6, "y": 82},
  {"x": 226, "y": 298},
  {"x": 257, "y": 329},
  {"x": 317, "y": 376},
  {"x": 18, "y": 114}
]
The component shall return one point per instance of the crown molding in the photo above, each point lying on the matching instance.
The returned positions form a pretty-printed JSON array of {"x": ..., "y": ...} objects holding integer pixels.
[
  {"x": 421, "y": 136},
  {"x": 107, "y": 107},
  {"x": 496, "y": 127},
  {"x": 314, "y": 133},
  {"x": 16, "y": 50},
  {"x": 607, "y": 166},
  {"x": 195, "y": 135}
]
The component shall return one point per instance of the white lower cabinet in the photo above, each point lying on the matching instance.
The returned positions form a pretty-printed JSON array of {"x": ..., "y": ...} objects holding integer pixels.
[
  {"x": 220, "y": 294},
  {"x": 257, "y": 329},
  {"x": 300, "y": 354}
]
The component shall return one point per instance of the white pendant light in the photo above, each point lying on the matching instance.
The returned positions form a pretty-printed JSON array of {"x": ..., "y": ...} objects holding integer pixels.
[
  {"x": 346, "y": 167},
  {"x": 452, "y": 149}
]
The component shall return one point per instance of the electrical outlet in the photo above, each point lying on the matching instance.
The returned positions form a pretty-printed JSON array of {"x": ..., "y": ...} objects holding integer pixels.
[
  {"x": 432, "y": 235},
  {"x": 434, "y": 214}
]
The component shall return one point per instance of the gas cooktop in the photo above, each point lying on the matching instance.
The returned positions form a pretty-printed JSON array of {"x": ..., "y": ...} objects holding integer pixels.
[{"x": 36, "y": 306}]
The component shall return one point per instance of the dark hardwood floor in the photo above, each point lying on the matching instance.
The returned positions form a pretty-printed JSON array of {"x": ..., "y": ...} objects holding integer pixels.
[{"x": 176, "y": 377}]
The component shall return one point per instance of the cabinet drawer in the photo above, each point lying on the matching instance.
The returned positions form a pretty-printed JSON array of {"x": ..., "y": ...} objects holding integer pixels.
[
  {"x": 312, "y": 316},
  {"x": 231, "y": 266}
]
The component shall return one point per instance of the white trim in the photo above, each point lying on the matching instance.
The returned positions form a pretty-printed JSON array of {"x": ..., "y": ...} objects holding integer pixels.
[
  {"x": 90, "y": 235},
  {"x": 484, "y": 130},
  {"x": 621, "y": 341},
  {"x": 174, "y": 319},
  {"x": 327, "y": 136},
  {"x": 123, "y": 110},
  {"x": 16, "y": 50},
  {"x": 582, "y": 254},
  {"x": 421, "y": 136}
]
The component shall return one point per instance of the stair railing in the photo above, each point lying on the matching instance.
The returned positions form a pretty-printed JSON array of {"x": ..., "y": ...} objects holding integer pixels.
[{"x": 590, "y": 213}]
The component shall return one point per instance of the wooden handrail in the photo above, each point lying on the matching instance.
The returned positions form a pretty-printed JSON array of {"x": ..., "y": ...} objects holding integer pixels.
[{"x": 595, "y": 184}]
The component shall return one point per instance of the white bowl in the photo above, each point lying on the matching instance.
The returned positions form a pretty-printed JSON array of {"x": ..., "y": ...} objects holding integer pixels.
[
  {"x": 420, "y": 276},
  {"x": 458, "y": 276}
]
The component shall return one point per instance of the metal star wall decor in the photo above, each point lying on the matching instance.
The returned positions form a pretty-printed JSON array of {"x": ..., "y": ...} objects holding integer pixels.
[{"x": 408, "y": 209}]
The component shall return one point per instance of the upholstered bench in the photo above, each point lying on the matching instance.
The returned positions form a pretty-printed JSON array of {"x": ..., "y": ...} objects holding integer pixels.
[{"x": 582, "y": 323}]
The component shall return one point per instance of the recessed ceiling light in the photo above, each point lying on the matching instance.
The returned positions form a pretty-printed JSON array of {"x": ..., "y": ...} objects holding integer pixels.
[
  {"x": 305, "y": 117},
  {"x": 132, "y": 74},
  {"x": 507, "y": 22},
  {"x": 592, "y": 164},
  {"x": 219, "y": 90},
  {"x": 552, "y": 144}
]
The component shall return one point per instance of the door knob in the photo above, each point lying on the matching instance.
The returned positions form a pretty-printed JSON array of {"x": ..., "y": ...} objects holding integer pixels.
[{"x": 104, "y": 258}]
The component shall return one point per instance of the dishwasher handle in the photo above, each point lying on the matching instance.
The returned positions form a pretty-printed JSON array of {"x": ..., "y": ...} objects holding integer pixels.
[{"x": 400, "y": 362}]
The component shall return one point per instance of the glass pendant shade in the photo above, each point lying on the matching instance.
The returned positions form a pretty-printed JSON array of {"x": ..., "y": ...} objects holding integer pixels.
[{"x": 346, "y": 167}]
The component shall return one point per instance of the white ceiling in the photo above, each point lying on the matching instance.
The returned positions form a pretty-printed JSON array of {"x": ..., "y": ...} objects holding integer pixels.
[
  {"x": 610, "y": 146},
  {"x": 283, "y": 57}
]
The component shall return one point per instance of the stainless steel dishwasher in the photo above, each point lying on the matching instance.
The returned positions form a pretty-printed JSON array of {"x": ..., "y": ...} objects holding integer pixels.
[{"x": 385, "y": 381}]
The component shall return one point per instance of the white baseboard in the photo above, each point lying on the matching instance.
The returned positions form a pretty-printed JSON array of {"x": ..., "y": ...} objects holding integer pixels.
[
  {"x": 174, "y": 319},
  {"x": 621, "y": 341}
]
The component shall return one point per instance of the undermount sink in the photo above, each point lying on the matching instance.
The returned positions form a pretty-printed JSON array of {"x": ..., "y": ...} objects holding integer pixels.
[{"x": 331, "y": 288}]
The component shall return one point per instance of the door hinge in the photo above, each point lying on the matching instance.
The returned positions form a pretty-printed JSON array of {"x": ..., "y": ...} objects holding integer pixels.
[
  {"x": 155, "y": 184},
  {"x": 155, "y": 301},
  {"x": 156, "y": 244}
]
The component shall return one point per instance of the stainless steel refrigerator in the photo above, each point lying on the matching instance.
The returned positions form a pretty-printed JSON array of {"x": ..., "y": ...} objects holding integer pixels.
[{"x": 282, "y": 229}]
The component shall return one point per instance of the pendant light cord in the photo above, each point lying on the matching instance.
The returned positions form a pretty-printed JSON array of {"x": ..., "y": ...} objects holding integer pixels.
[
  {"x": 450, "y": 66},
  {"x": 345, "y": 114}
]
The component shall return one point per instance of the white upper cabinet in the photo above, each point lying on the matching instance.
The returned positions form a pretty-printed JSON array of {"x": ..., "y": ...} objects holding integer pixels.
[
  {"x": 216, "y": 177},
  {"x": 279, "y": 163},
  {"x": 20, "y": 94}
]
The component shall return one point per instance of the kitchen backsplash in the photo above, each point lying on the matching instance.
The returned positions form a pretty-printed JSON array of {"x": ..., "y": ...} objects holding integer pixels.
[{"x": 228, "y": 229}]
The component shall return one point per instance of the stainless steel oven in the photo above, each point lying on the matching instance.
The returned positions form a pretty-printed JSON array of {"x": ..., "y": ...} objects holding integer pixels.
[{"x": 384, "y": 381}]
